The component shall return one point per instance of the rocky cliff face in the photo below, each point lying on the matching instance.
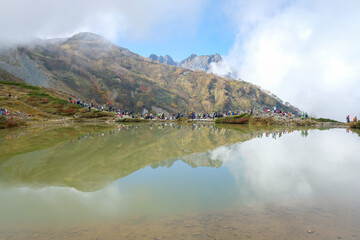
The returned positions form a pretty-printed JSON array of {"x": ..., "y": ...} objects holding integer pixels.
[
  {"x": 201, "y": 63},
  {"x": 17, "y": 63}
]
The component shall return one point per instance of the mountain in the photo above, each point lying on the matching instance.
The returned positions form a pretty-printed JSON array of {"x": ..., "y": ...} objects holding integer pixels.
[
  {"x": 90, "y": 67},
  {"x": 201, "y": 63}
]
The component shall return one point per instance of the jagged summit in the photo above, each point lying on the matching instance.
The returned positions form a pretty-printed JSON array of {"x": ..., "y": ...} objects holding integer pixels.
[
  {"x": 166, "y": 59},
  {"x": 202, "y": 63},
  {"x": 193, "y": 62},
  {"x": 192, "y": 56}
]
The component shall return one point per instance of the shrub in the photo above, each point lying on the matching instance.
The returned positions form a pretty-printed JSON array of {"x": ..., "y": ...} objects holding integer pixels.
[
  {"x": 39, "y": 94},
  {"x": 97, "y": 114},
  {"x": 70, "y": 110},
  {"x": 237, "y": 119},
  {"x": 130, "y": 120},
  {"x": 60, "y": 101},
  {"x": 32, "y": 101},
  {"x": 23, "y": 85},
  {"x": 45, "y": 100},
  {"x": 355, "y": 125},
  {"x": 324, "y": 120},
  {"x": 243, "y": 115},
  {"x": 10, "y": 122},
  {"x": 3, "y": 122},
  {"x": 60, "y": 108}
]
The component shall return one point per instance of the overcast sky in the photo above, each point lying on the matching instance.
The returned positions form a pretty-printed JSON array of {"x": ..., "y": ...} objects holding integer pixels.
[{"x": 306, "y": 52}]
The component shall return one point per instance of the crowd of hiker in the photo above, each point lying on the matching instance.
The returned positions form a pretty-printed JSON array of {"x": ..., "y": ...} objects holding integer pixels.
[
  {"x": 188, "y": 115},
  {"x": 4, "y": 111},
  {"x": 215, "y": 114},
  {"x": 91, "y": 105},
  {"x": 273, "y": 111}
]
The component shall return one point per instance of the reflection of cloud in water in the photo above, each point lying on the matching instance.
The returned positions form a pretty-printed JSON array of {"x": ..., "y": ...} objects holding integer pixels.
[
  {"x": 324, "y": 164},
  {"x": 58, "y": 204}
]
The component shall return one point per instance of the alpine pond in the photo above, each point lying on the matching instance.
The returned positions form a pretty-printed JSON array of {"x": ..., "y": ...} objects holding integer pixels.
[{"x": 168, "y": 181}]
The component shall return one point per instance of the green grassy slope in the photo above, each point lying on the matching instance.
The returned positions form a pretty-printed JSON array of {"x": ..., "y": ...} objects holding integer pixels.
[{"x": 35, "y": 103}]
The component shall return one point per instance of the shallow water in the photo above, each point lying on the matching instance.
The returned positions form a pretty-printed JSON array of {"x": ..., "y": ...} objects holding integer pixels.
[{"x": 179, "y": 182}]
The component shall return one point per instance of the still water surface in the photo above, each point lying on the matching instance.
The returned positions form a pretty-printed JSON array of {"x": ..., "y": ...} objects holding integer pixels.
[{"x": 179, "y": 182}]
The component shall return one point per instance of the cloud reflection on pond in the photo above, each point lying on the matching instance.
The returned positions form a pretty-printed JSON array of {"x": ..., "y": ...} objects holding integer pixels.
[{"x": 326, "y": 164}]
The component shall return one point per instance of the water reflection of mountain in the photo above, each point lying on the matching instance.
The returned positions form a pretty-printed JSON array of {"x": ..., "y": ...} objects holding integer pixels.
[{"x": 92, "y": 160}]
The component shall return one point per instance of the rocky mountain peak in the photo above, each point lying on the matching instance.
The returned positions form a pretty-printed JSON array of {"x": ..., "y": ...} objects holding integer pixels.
[
  {"x": 193, "y": 62},
  {"x": 163, "y": 59},
  {"x": 191, "y": 57},
  {"x": 215, "y": 58},
  {"x": 202, "y": 63}
]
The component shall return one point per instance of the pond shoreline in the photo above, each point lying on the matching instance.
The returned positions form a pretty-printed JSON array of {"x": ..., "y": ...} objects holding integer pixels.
[{"x": 252, "y": 121}]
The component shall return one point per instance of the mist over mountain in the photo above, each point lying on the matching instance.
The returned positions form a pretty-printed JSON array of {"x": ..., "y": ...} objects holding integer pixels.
[{"x": 88, "y": 66}]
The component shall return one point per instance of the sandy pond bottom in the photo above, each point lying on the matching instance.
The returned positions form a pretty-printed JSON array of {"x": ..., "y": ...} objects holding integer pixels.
[{"x": 249, "y": 222}]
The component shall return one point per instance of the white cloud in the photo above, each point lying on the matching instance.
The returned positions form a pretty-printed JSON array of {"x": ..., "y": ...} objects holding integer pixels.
[
  {"x": 21, "y": 20},
  {"x": 303, "y": 51}
]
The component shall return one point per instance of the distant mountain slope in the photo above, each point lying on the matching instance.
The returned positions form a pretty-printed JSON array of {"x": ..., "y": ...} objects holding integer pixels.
[{"x": 88, "y": 66}]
